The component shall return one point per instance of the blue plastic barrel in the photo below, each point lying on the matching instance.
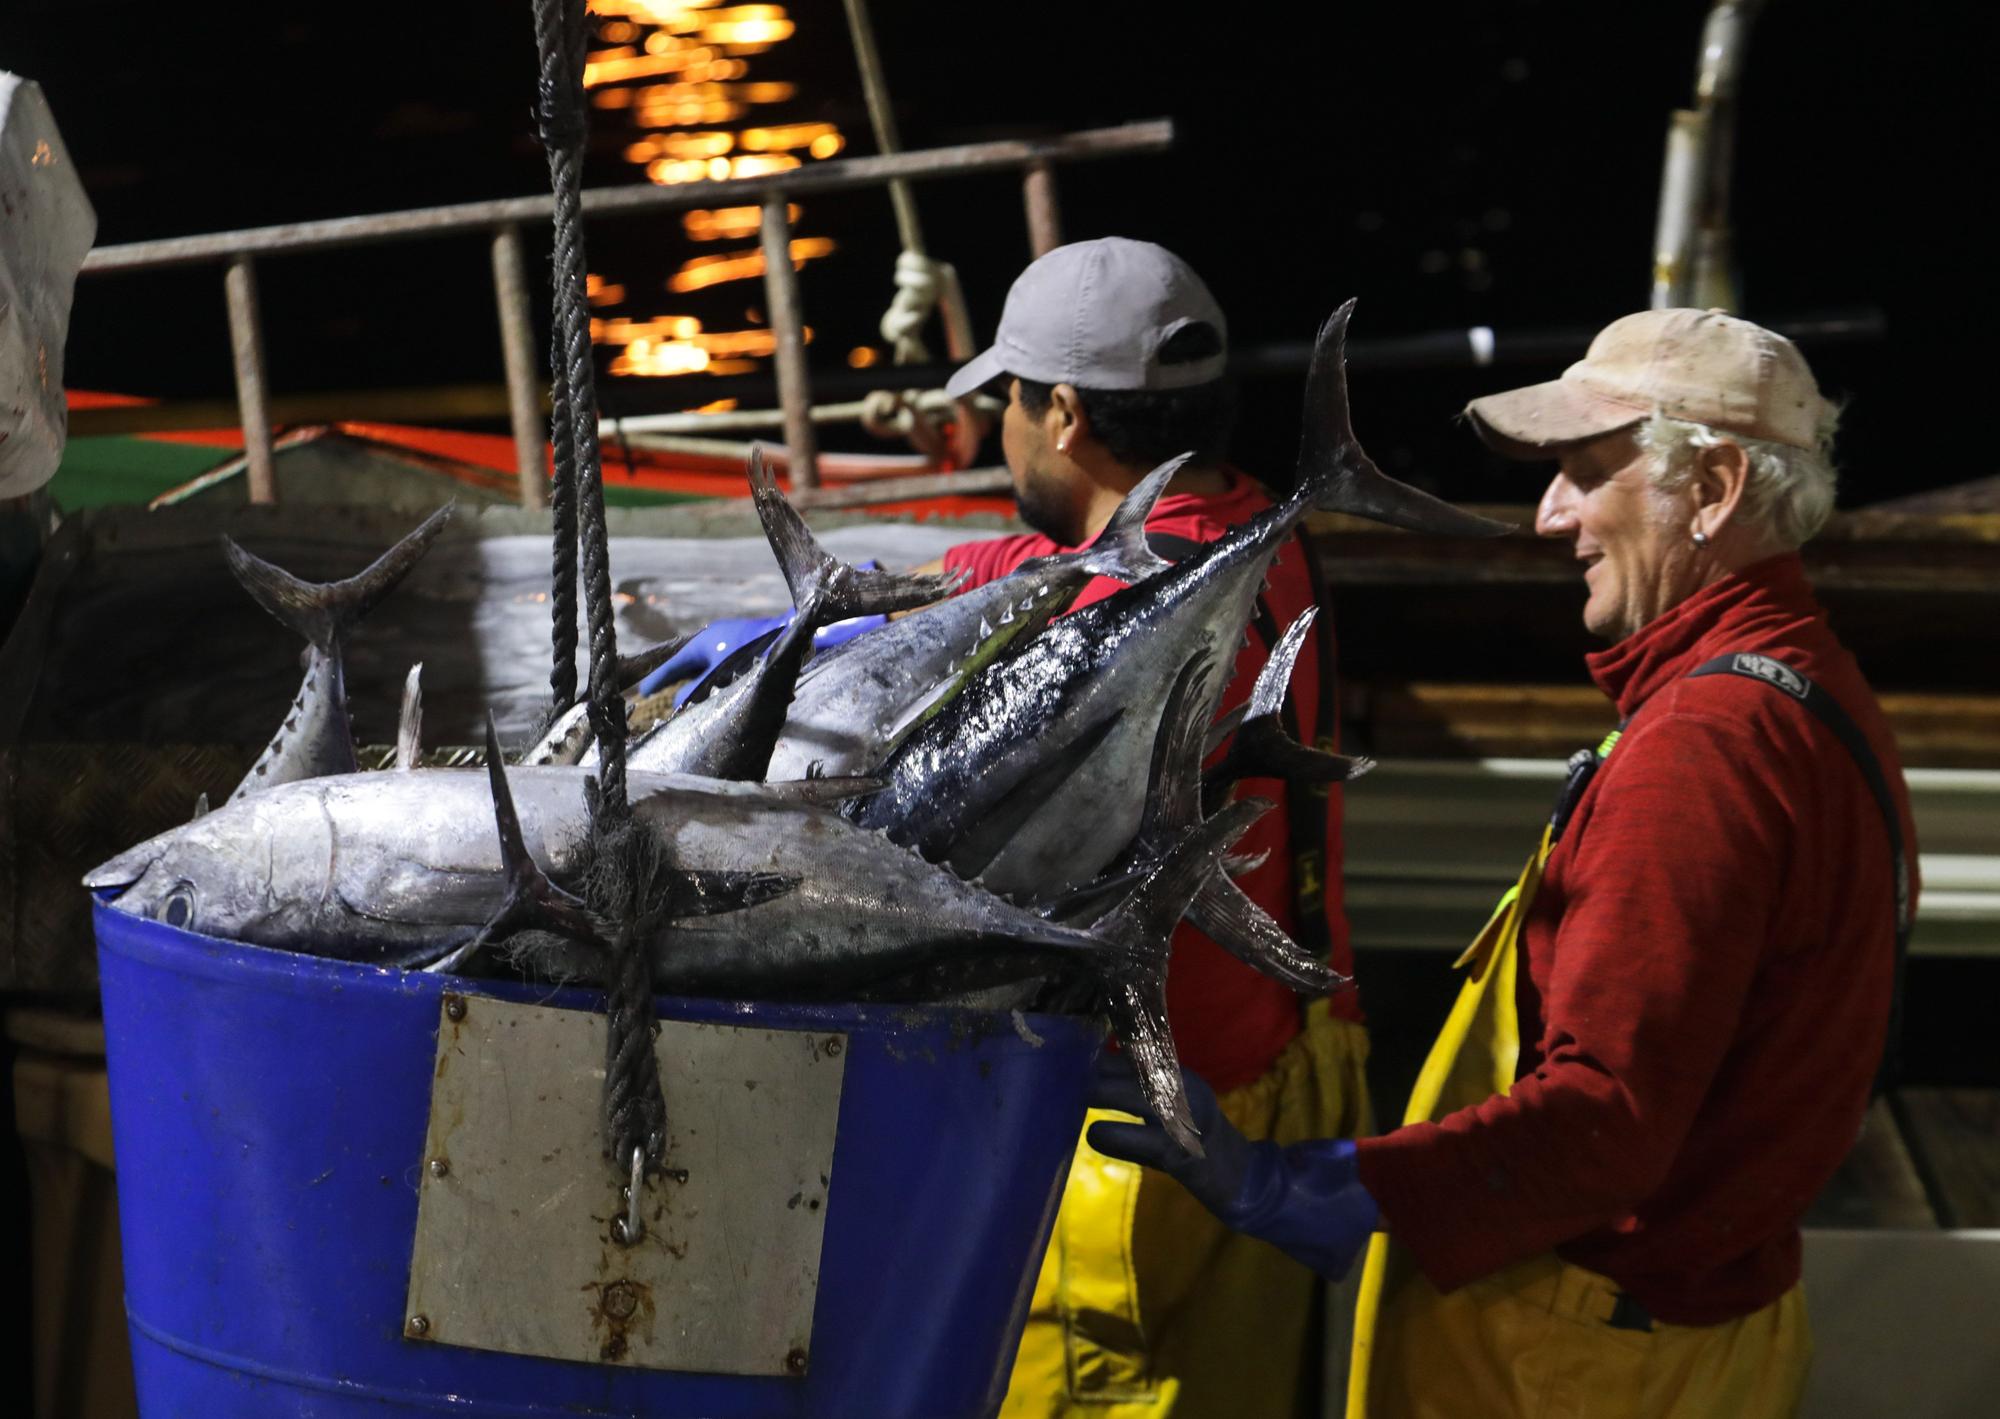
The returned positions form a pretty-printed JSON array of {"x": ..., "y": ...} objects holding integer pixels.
[{"x": 269, "y": 1113}]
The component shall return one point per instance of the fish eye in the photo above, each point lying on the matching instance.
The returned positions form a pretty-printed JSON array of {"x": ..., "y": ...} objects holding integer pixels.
[{"x": 178, "y": 908}]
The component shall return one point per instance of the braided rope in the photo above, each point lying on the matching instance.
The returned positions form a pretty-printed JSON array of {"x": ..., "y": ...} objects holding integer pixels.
[
  {"x": 562, "y": 505},
  {"x": 634, "y": 1109}
]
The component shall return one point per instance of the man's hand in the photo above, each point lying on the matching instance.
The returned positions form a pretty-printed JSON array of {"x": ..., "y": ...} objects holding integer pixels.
[{"x": 1304, "y": 1200}]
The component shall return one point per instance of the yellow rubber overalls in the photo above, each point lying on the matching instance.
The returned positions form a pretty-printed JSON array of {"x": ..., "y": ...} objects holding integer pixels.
[
  {"x": 1544, "y": 1339},
  {"x": 1146, "y": 1307}
]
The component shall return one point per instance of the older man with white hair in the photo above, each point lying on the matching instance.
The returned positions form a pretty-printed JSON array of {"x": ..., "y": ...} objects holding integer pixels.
[{"x": 1670, "y": 1027}]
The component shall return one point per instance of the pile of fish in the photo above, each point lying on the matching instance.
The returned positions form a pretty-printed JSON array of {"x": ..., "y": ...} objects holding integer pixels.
[{"x": 962, "y": 804}]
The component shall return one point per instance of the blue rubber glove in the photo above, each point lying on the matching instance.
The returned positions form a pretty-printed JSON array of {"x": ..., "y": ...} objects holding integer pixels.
[
  {"x": 1305, "y": 1200},
  {"x": 713, "y": 645}
]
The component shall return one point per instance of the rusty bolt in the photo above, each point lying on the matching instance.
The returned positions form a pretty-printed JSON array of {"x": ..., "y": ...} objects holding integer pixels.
[
  {"x": 833, "y": 1047},
  {"x": 620, "y": 1301},
  {"x": 419, "y": 1326},
  {"x": 440, "y": 1166},
  {"x": 454, "y": 1006},
  {"x": 795, "y": 1360}
]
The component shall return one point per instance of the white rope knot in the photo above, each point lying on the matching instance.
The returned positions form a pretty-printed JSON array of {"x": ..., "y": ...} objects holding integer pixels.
[{"x": 918, "y": 283}]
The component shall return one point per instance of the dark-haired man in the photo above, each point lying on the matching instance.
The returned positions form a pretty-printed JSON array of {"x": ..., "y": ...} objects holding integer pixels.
[{"x": 1110, "y": 355}]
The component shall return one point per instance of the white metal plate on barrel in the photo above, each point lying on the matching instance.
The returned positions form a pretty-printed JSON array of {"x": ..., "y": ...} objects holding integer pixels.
[{"x": 514, "y": 1249}]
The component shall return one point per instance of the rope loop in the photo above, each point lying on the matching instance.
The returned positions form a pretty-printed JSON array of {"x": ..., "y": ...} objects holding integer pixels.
[{"x": 919, "y": 281}]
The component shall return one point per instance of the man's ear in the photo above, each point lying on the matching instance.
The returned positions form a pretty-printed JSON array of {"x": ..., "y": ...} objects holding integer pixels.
[
  {"x": 1721, "y": 473},
  {"x": 1068, "y": 421}
]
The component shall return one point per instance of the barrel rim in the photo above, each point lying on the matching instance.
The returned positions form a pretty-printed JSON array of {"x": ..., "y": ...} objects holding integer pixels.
[{"x": 188, "y": 952}]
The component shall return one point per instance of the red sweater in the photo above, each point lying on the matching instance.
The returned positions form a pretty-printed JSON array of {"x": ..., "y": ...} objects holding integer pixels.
[
  {"x": 1705, "y": 987},
  {"x": 1229, "y": 1022}
]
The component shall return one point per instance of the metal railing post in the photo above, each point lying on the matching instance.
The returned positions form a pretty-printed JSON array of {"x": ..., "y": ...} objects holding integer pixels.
[
  {"x": 781, "y": 294},
  {"x": 1038, "y": 190},
  {"x": 246, "y": 339},
  {"x": 524, "y": 408}
]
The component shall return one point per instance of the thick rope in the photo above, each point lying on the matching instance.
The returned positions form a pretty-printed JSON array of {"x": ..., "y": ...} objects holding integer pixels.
[
  {"x": 562, "y": 504},
  {"x": 634, "y": 1112},
  {"x": 918, "y": 283}
]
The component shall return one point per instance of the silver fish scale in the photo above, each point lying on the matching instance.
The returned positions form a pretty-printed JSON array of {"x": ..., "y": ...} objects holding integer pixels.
[
  {"x": 1020, "y": 715},
  {"x": 854, "y": 704},
  {"x": 372, "y": 864}
]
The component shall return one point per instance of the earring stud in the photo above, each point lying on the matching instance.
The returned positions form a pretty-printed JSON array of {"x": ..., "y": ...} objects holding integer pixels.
[{"x": 1701, "y": 539}]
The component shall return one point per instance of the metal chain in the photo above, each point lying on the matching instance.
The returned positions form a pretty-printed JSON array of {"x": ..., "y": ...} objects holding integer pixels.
[{"x": 634, "y": 1113}]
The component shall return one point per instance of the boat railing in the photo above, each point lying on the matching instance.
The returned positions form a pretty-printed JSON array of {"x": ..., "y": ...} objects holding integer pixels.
[{"x": 503, "y": 220}]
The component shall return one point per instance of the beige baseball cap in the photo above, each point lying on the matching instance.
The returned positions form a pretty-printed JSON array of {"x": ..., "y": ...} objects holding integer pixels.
[{"x": 1704, "y": 366}]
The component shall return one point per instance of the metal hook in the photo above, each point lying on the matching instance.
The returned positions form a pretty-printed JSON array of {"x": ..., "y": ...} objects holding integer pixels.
[{"x": 630, "y": 1229}]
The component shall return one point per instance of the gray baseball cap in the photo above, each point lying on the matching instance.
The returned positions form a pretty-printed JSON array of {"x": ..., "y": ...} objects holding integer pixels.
[{"x": 1094, "y": 314}]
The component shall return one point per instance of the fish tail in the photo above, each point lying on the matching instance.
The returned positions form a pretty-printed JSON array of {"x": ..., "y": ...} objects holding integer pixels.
[
  {"x": 824, "y": 588},
  {"x": 1120, "y": 551},
  {"x": 1135, "y": 977},
  {"x": 1336, "y": 475},
  {"x": 323, "y": 612}
]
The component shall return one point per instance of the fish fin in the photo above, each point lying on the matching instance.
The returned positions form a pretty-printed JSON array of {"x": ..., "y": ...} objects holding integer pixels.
[
  {"x": 1141, "y": 928},
  {"x": 1262, "y": 748},
  {"x": 1335, "y": 475},
  {"x": 200, "y": 806},
  {"x": 636, "y": 667},
  {"x": 825, "y": 789},
  {"x": 1274, "y": 681},
  {"x": 1224, "y": 913},
  {"x": 1173, "y": 783},
  {"x": 1120, "y": 551},
  {"x": 323, "y": 612},
  {"x": 409, "y": 725},
  {"x": 824, "y": 588},
  {"x": 1241, "y": 864},
  {"x": 1226, "y": 724},
  {"x": 533, "y": 901}
]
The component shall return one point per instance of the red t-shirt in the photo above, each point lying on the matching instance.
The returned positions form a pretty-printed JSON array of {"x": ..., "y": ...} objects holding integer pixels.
[
  {"x": 1707, "y": 971},
  {"x": 1229, "y": 1021}
]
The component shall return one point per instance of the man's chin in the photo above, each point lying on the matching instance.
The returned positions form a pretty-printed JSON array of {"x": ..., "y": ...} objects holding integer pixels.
[{"x": 1043, "y": 519}]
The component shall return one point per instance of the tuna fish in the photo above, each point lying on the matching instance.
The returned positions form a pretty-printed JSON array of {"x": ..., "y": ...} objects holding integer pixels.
[
  {"x": 772, "y": 893},
  {"x": 732, "y": 731},
  {"x": 1029, "y": 777},
  {"x": 317, "y": 738},
  {"x": 857, "y": 702}
]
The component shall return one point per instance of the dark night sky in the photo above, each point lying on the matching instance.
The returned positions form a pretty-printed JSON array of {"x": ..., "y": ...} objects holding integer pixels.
[{"x": 1325, "y": 150}]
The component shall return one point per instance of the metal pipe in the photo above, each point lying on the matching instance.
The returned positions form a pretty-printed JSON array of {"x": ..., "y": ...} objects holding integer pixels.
[
  {"x": 1725, "y": 38},
  {"x": 972, "y": 482},
  {"x": 841, "y": 174},
  {"x": 246, "y": 339},
  {"x": 1038, "y": 192},
  {"x": 882, "y": 118},
  {"x": 1443, "y": 349},
  {"x": 781, "y": 294},
  {"x": 1673, "y": 229},
  {"x": 1692, "y": 246},
  {"x": 524, "y": 399},
  {"x": 728, "y": 420}
]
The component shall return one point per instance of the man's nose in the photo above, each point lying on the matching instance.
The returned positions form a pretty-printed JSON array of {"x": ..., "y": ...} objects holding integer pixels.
[{"x": 1555, "y": 515}]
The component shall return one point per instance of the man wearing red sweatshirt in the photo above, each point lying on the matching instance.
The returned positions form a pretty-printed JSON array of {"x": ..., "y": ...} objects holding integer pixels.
[
  {"x": 1110, "y": 356},
  {"x": 1670, "y": 1029}
]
